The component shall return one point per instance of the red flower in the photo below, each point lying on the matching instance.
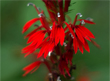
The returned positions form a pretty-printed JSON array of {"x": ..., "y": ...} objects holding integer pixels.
[
  {"x": 47, "y": 47},
  {"x": 32, "y": 67},
  {"x": 80, "y": 34},
  {"x": 57, "y": 34},
  {"x": 35, "y": 39}
]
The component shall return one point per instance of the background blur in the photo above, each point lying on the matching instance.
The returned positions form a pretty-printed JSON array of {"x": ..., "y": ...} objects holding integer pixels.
[{"x": 14, "y": 14}]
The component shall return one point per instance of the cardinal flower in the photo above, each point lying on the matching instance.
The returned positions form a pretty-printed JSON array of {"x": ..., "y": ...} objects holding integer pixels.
[
  {"x": 57, "y": 34},
  {"x": 47, "y": 47},
  {"x": 80, "y": 34},
  {"x": 56, "y": 43}
]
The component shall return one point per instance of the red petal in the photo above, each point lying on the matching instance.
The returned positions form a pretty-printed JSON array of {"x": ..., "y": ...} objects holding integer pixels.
[
  {"x": 79, "y": 36},
  {"x": 70, "y": 29},
  {"x": 35, "y": 68},
  {"x": 62, "y": 36},
  {"x": 26, "y": 72},
  {"x": 83, "y": 34},
  {"x": 28, "y": 24},
  {"x": 67, "y": 70},
  {"x": 35, "y": 36},
  {"x": 80, "y": 46},
  {"x": 42, "y": 50},
  {"x": 46, "y": 53},
  {"x": 93, "y": 42},
  {"x": 29, "y": 53},
  {"x": 86, "y": 21},
  {"x": 86, "y": 31},
  {"x": 31, "y": 33},
  {"x": 52, "y": 35},
  {"x": 75, "y": 45},
  {"x": 57, "y": 35},
  {"x": 30, "y": 67},
  {"x": 86, "y": 46}
]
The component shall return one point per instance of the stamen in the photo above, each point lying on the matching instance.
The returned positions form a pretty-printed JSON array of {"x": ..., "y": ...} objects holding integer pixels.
[
  {"x": 58, "y": 78},
  {"x": 90, "y": 19},
  {"x": 71, "y": 35},
  {"x": 33, "y": 6},
  {"x": 58, "y": 14},
  {"x": 41, "y": 14},
  {"x": 82, "y": 22},
  {"x": 30, "y": 4},
  {"x": 79, "y": 14},
  {"x": 50, "y": 27}
]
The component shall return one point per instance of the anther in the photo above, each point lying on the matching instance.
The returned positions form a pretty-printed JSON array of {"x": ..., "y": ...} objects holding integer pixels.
[
  {"x": 90, "y": 19},
  {"x": 82, "y": 22},
  {"x": 30, "y": 4},
  {"x": 50, "y": 27},
  {"x": 58, "y": 14},
  {"x": 79, "y": 14},
  {"x": 71, "y": 35},
  {"x": 41, "y": 14}
]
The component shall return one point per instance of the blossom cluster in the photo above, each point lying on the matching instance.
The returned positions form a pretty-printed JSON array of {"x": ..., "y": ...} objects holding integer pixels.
[{"x": 57, "y": 39}]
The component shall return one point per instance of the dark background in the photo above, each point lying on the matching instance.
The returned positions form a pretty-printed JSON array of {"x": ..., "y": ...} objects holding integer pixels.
[{"x": 14, "y": 14}]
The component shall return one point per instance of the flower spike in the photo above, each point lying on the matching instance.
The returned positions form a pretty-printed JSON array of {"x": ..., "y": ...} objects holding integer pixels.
[{"x": 54, "y": 44}]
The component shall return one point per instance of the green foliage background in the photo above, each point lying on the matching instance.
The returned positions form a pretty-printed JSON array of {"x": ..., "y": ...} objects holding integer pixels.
[{"x": 14, "y": 14}]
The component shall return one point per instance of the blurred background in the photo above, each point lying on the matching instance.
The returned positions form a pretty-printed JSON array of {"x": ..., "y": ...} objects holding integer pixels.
[{"x": 14, "y": 14}]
